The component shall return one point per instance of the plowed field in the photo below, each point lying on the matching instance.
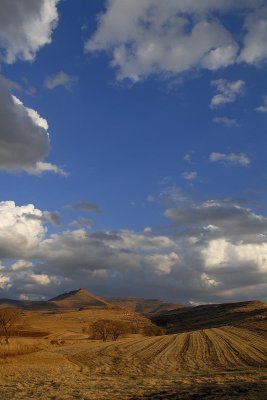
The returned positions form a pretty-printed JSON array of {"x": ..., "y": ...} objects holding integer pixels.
[
  {"x": 217, "y": 363},
  {"x": 225, "y": 348}
]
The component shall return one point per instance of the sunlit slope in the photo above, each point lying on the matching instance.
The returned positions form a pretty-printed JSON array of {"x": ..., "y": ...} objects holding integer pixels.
[{"x": 223, "y": 348}]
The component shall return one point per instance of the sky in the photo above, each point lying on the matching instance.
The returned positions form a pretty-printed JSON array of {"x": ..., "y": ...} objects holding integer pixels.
[{"x": 133, "y": 149}]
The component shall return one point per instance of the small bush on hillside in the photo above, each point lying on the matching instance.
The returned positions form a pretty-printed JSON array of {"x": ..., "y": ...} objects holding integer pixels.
[{"x": 153, "y": 330}]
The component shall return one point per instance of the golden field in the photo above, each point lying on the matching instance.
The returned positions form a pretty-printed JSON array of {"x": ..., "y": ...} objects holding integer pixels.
[{"x": 54, "y": 359}]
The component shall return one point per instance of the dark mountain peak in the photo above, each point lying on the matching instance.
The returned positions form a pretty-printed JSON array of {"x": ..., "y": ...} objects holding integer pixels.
[
  {"x": 72, "y": 293},
  {"x": 79, "y": 298}
]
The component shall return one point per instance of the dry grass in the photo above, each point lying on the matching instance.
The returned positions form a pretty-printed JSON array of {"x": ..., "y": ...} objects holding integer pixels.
[
  {"x": 16, "y": 348},
  {"x": 218, "y": 363}
]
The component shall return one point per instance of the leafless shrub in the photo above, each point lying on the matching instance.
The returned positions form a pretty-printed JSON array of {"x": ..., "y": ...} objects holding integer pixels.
[{"x": 54, "y": 342}]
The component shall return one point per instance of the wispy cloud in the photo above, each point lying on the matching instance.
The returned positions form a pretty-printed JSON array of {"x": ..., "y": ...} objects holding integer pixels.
[
  {"x": 81, "y": 222},
  {"x": 190, "y": 176},
  {"x": 227, "y": 92},
  {"x": 85, "y": 206},
  {"x": 225, "y": 121},
  {"x": 60, "y": 79},
  {"x": 188, "y": 158},
  {"x": 232, "y": 158},
  {"x": 263, "y": 107},
  {"x": 42, "y": 167}
]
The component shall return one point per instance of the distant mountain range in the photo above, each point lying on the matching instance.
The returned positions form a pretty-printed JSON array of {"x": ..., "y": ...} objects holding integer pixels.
[
  {"x": 174, "y": 317},
  {"x": 144, "y": 306},
  {"x": 82, "y": 299}
]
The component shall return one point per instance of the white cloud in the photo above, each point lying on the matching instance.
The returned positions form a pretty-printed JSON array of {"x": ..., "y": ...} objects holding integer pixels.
[
  {"x": 41, "y": 167},
  {"x": 4, "y": 282},
  {"x": 217, "y": 252},
  {"x": 163, "y": 263},
  {"x": 190, "y": 176},
  {"x": 208, "y": 281},
  {"x": 150, "y": 198},
  {"x": 21, "y": 264},
  {"x": 24, "y": 136},
  {"x": 33, "y": 114},
  {"x": 25, "y": 27},
  {"x": 232, "y": 158},
  {"x": 147, "y": 230},
  {"x": 254, "y": 50},
  {"x": 81, "y": 222},
  {"x": 221, "y": 253},
  {"x": 151, "y": 37},
  {"x": 225, "y": 121},
  {"x": 19, "y": 234},
  {"x": 172, "y": 195},
  {"x": 60, "y": 79},
  {"x": 228, "y": 92},
  {"x": 263, "y": 108},
  {"x": 188, "y": 158},
  {"x": 42, "y": 279}
]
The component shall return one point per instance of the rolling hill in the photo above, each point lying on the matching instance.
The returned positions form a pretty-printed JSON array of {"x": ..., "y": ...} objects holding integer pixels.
[
  {"x": 247, "y": 314},
  {"x": 144, "y": 306}
]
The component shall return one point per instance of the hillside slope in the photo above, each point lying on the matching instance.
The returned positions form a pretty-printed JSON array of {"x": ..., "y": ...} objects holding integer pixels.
[
  {"x": 247, "y": 314},
  {"x": 144, "y": 306}
]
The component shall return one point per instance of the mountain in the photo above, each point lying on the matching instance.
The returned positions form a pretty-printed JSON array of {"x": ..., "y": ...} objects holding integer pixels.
[
  {"x": 76, "y": 299},
  {"x": 247, "y": 314},
  {"x": 144, "y": 306},
  {"x": 27, "y": 304},
  {"x": 80, "y": 298}
]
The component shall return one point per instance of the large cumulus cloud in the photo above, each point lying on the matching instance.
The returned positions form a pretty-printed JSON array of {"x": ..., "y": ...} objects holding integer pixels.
[
  {"x": 24, "y": 138},
  {"x": 217, "y": 252},
  {"x": 168, "y": 38},
  {"x": 25, "y": 27}
]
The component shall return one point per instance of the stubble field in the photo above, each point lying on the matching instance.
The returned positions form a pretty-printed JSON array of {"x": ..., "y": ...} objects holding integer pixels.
[{"x": 218, "y": 363}]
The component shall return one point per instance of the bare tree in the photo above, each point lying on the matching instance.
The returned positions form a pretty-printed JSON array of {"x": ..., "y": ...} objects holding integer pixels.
[
  {"x": 117, "y": 328},
  {"x": 105, "y": 329},
  {"x": 99, "y": 329},
  {"x": 8, "y": 319}
]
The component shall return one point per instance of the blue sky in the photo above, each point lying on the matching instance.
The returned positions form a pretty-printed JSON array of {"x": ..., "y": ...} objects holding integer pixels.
[{"x": 152, "y": 181}]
